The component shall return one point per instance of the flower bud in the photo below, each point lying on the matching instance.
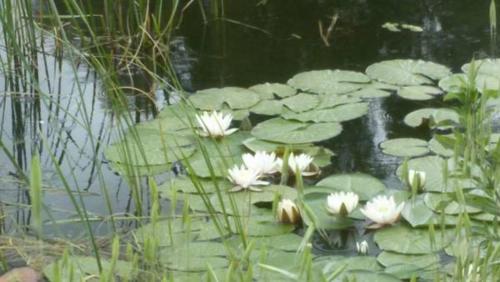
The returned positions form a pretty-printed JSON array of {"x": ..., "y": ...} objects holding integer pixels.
[
  {"x": 416, "y": 180},
  {"x": 288, "y": 212},
  {"x": 362, "y": 247}
]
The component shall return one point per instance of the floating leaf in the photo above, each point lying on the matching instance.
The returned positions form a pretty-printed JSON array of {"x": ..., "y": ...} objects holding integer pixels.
[
  {"x": 419, "y": 92},
  {"x": 301, "y": 102},
  {"x": 438, "y": 148},
  {"x": 407, "y": 240},
  {"x": 437, "y": 115},
  {"x": 215, "y": 98},
  {"x": 330, "y": 101},
  {"x": 149, "y": 148},
  {"x": 416, "y": 212},
  {"x": 489, "y": 67},
  {"x": 405, "y": 147},
  {"x": 444, "y": 202},
  {"x": 454, "y": 82},
  {"x": 433, "y": 168},
  {"x": 406, "y": 266},
  {"x": 194, "y": 256},
  {"x": 268, "y": 108},
  {"x": 271, "y": 90},
  {"x": 185, "y": 185},
  {"x": 79, "y": 268},
  {"x": 407, "y": 72},
  {"x": 294, "y": 132},
  {"x": 337, "y": 114},
  {"x": 366, "y": 186},
  {"x": 329, "y": 81}
]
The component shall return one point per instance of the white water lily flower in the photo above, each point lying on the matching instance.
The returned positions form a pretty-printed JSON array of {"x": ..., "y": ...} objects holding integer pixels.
[
  {"x": 288, "y": 212},
  {"x": 382, "y": 210},
  {"x": 341, "y": 203},
  {"x": 262, "y": 162},
  {"x": 362, "y": 247},
  {"x": 416, "y": 179},
  {"x": 215, "y": 124},
  {"x": 244, "y": 178},
  {"x": 301, "y": 163}
]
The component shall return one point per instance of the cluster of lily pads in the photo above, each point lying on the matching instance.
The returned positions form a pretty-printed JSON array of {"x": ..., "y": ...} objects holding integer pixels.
[{"x": 308, "y": 109}]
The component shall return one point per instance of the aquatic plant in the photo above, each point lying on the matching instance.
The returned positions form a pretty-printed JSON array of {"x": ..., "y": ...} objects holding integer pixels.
[
  {"x": 215, "y": 124},
  {"x": 245, "y": 178},
  {"x": 382, "y": 210},
  {"x": 341, "y": 203}
]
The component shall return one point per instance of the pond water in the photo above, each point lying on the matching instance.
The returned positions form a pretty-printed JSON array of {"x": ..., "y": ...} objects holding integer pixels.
[{"x": 256, "y": 43}]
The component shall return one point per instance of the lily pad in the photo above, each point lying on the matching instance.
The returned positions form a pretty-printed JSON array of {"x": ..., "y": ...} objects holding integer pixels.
[
  {"x": 194, "y": 256},
  {"x": 301, "y": 102},
  {"x": 407, "y": 240},
  {"x": 438, "y": 116},
  {"x": 407, "y": 72},
  {"x": 336, "y": 114},
  {"x": 419, "y": 92},
  {"x": 444, "y": 202},
  {"x": 80, "y": 268},
  {"x": 438, "y": 148},
  {"x": 329, "y": 81},
  {"x": 185, "y": 185},
  {"x": 366, "y": 186},
  {"x": 416, "y": 212},
  {"x": 405, "y": 266},
  {"x": 149, "y": 148},
  {"x": 455, "y": 82},
  {"x": 405, "y": 147},
  {"x": 215, "y": 98},
  {"x": 330, "y": 101},
  {"x": 490, "y": 67},
  {"x": 294, "y": 132},
  {"x": 272, "y": 90},
  {"x": 268, "y": 108},
  {"x": 322, "y": 218}
]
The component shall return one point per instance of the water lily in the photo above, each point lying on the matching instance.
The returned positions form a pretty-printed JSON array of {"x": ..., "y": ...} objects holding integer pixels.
[
  {"x": 288, "y": 212},
  {"x": 362, "y": 247},
  {"x": 215, "y": 124},
  {"x": 416, "y": 180},
  {"x": 301, "y": 164},
  {"x": 244, "y": 178},
  {"x": 262, "y": 162},
  {"x": 341, "y": 203},
  {"x": 382, "y": 210}
]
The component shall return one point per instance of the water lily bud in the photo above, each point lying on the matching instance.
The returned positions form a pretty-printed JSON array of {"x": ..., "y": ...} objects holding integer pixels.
[
  {"x": 362, "y": 247},
  {"x": 341, "y": 203},
  {"x": 416, "y": 180},
  {"x": 288, "y": 212}
]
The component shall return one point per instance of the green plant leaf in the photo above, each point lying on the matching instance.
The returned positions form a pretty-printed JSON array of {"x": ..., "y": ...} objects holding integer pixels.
[
  {"x": 432, "y": 115},
  {"x": 407, "y": 72},
  {"x": 405, "y": 147},
  {"x": 294, "y": 132},
  {"x": 329, "y": 81},
  {"x": 419, "y": 92},
  {"x": 215, "y": 98},
  {"x": 336, "y": 114},
  {"x": 366, "y": 186},
  {"x": 272, "y": 90}
]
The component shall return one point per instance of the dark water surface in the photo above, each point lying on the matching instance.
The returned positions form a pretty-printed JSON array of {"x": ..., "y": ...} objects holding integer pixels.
[{"x": 253, "y": 44}]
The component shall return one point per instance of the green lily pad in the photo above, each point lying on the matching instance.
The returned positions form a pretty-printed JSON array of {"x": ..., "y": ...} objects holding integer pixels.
[
  {"x": 215, "y": 98},
  {"x": 149, "y": 148},
  {"x": 416, "y": 212},
  {"x": 433, "y": 168},
  {"x": 366, "y": 186},
  {"x": 329, "y": 81},
  {"x": 455, "y": 82},
  {"x": 419, "y": 92},
  {"x": 171, "y": 119},
  {"x": 370, "y": 93},
  {"x": 332, "y": 263},
  {"x": 407, "y": 72},
  {"x": 301, "y": 102},
  {"x": 444, "y": 202},
  {"x": 194, "y": 256},
  {"x": 489, "y": 67},
  {"x": 293, "y": 132},
  {"x": 405, "y": 147},
  {"x": 170, "y": 232},
  {"x": 268, "y": 108},
  {"x": 405, "y": 266},
  {"x": 330, "y": 101},
  {"x": 438, "y": 148},
  {"x": 271, "y": 90},
  {"x": 407, "y": 240},
  {"x": 80, "y": 268},
  {"x": 185, "y": 184},
  {"x": 437, "y": 115},
  {"x": 244, "y": 200},
  {"x": 336, "y": 114}
]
